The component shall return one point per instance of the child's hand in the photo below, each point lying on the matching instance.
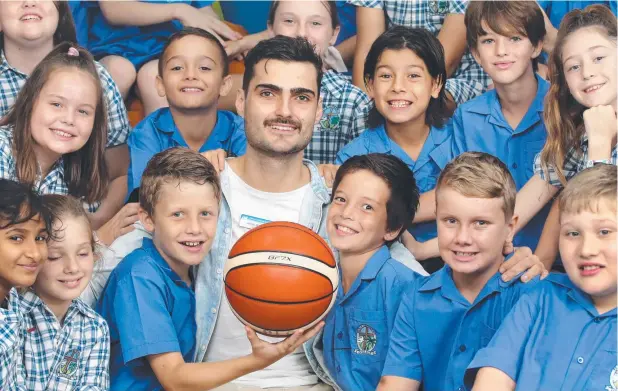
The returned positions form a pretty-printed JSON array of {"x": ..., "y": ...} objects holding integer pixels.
[
  {"x": 216, "y": 158},
  {"x": 120, "y": 224},
  {"x": 523, "y": 260},
  {"x": 268, "y": 353},
  {"x": 328, "y": 171},
  {"x": 600, "y": 124},
  {"x": 191, "y": 17}
]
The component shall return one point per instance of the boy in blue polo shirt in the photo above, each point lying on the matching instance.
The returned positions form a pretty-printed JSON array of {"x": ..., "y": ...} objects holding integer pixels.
[
  {"x": 444, "y": 319},
  {"x": 149, "y": 300},
  {"x": 374, "y": 199},
  {"x": 562, "y": 336},
  {"x": 193, "y": 73}
]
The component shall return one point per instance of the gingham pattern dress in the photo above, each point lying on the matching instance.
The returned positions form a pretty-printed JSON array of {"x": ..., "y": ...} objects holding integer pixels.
[{"x": 74, "y": 355}]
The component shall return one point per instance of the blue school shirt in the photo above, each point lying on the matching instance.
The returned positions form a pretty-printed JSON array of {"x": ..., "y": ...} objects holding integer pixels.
[
  {"x": 437, "y": 331},
  {"x": 347, "y": 20},
  {"x": 479, "y": 125},
  {"x": 158, "y": 132},
  {"x": 250, "y": 14},
  {"x": 434, "y": 155},
  {"x": 357, "y": 328},
  {"x": 149, "y": 310},
  {"x": 554, "y": 339},
  {"x": 138, "y": 44}
]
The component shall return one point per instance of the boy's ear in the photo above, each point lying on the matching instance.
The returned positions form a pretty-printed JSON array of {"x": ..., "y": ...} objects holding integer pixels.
[
  {"x": 511, "y": 227},
  {"x": 392, "y": 235},
  {"x": 226, "y": 86},
  {"x": 146, "y": 219},
  {"x": 240, "y": 102},
  {"x": 159, "y": 86},
  {"x": 335, "y": 35},
  {"x": 318, "y": 112},
  {"x": 436, "y": 87},
  {"x": 369, "y": 86},
  {"x": 538, "y": 49},
  {"x": 475, "y": 54}
]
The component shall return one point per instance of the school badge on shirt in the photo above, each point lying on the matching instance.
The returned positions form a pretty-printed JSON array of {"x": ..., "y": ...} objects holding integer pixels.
[
  {"x": 330, "y": 119},
  {"x": 366, "y": 340},
  {"x": 68, "y": 365},
  {"x": 613, "y": 380},
  {"x": 438, "y": 6}
]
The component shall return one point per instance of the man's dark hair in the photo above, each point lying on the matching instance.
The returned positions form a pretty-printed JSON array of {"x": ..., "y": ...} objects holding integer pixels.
[
  {"x": 404, "y": 198},
  {"x": 198, "y": 32},
  {"x": 284, "y": 49}
]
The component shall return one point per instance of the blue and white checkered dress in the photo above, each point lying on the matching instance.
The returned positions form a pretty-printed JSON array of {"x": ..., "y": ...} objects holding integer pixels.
[
  {"x": 118, "y": 128},
  {"x": 469, "y": 80},
  {"x": 74, "y": 355},
  {"x": 11, "y": 341}
]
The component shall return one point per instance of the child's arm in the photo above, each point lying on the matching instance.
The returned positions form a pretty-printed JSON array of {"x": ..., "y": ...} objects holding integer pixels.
[
  {"x": 547, "y": 249},
  {"x": 137, "y": 13},
  {"x": 452, "y": 36},
  {"x": 117, "y": 162},
  {"x": 95, "y": 376},
  {"x": 370, "y": 23},
  {"x": 531, "y": 199},
  {"x": 396, "y": 383},
  {"x": 174, "y": 374},
  {"x": 550, "y": 33},
  {"x": 492, "y": 379},
  {"x": 426, "y": 207},
  {"x": 600, "y": 124}
]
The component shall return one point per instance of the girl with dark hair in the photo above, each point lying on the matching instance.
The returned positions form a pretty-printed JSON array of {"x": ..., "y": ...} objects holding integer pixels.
[
  {"x": 30, "y": 30},
  {"x": 405, "y": 74}
]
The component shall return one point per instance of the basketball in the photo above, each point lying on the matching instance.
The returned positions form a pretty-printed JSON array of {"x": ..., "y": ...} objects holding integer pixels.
[{"x": 280, "y": 277}]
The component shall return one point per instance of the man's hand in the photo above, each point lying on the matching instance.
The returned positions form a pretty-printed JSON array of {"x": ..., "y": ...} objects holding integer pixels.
[
  {"x": 217, "y": 158},
  {"x": 522, "y": 260},
  {"x": 328, "y": 171},
  {"x": 268, "y": 353},
  {"x": 120, "y": 224}
]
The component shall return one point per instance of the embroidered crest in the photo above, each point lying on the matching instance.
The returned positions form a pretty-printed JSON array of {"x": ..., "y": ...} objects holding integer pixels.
[
  {"x": 438, "y": 6},
  {"x": 330, "y": 118},
  {"x": 68, "y": 365},
  {"x": 366, "y": 340},
  {"x": 613, "y": 380}
]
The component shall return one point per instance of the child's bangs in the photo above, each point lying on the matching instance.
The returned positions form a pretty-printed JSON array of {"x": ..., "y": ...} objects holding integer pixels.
[
  {"x": 18, "y": 214},
  {"x": 590, "y": 204},
  {"x": 506, "y": 24}
]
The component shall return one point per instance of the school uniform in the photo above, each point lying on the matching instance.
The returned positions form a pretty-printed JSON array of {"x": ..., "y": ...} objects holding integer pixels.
[
  {"x": 52, "y": 183},
  {"x": 479, "y": 125},
  {"x": 554, "y": 339},
  {"x": 158, "y": 132},
  {"x": 434, "y": 155},
  {"x": 118, "y": 127},
  {"x": 11, "y": 341},
  {"x": 357, "y": 329},
  {"x": 71, "y": 355},
  {"x": 149, "y": 310},
  {"x": 468, "y": 80},
  {"x": 437, "y": 331},
  {"x": 138, "y": 44},
  {"x": 345, "y": 109}
]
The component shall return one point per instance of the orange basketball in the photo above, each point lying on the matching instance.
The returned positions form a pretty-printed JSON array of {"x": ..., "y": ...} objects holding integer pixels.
[{"x": 280, "y": 277}]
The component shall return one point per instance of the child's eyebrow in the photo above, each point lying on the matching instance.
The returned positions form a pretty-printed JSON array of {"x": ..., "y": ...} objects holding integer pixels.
[
  {"x": 179, "y": 56},
  {"x": 589, "y": 50}
]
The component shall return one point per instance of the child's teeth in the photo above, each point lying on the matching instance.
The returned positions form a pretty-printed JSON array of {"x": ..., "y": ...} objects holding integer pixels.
[{"x": 590, "y": 267}]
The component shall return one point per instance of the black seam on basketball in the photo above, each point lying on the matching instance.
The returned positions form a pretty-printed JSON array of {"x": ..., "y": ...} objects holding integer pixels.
[
  {"x": 274, "y": 224},
  {"x": 277, "y": 302},
  {"x": 270, "y": 264},
  {"x": 285, "y": 252}
]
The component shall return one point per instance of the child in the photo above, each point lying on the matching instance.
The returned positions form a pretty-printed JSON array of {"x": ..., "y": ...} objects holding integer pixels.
[
  {"x": 53, "y": 138},
  {"x": 580, "y": 111},
  {"x": 405, "y": 75},
  {"x": 30, "y": 30},
  {"x": 373, "y": 200},
  {"x": 24, "y": 227},
  {"x": 445, "y": 318},
  {"x": 442, "y": 19},
  {"x": 193, "y": 73},
  {"x": 128, "y": 38},
  {"x": 149, "y": 301},
  {"x": 562, "y": 336},
  {"x": 345, "y": 107},
  {"x": 66, "y": 343}
]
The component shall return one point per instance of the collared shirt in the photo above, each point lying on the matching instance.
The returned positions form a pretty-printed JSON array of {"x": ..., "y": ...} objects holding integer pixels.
[
  {"x": 434, "y": 155},
  {"x": 138, "y": 44},
  {"x": 574, "y": 162},
  {"x": 468, "y": 80},
  {"x": 158, "y": 132},
  {"x": 149, "y": 310},
  {"x": 479, "y": 125},
  {"x": 358, "y": 326},
  {"x": 554, "y": 339},
  {"x": 437, "y": 331},
  {"x": 53, "y": 183},
  {"x": 11, "y": 342},
  {"x": 118, "y": 128},
  {"x": 74, "y": 355},
  {"x": 345, "y": 108}
]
